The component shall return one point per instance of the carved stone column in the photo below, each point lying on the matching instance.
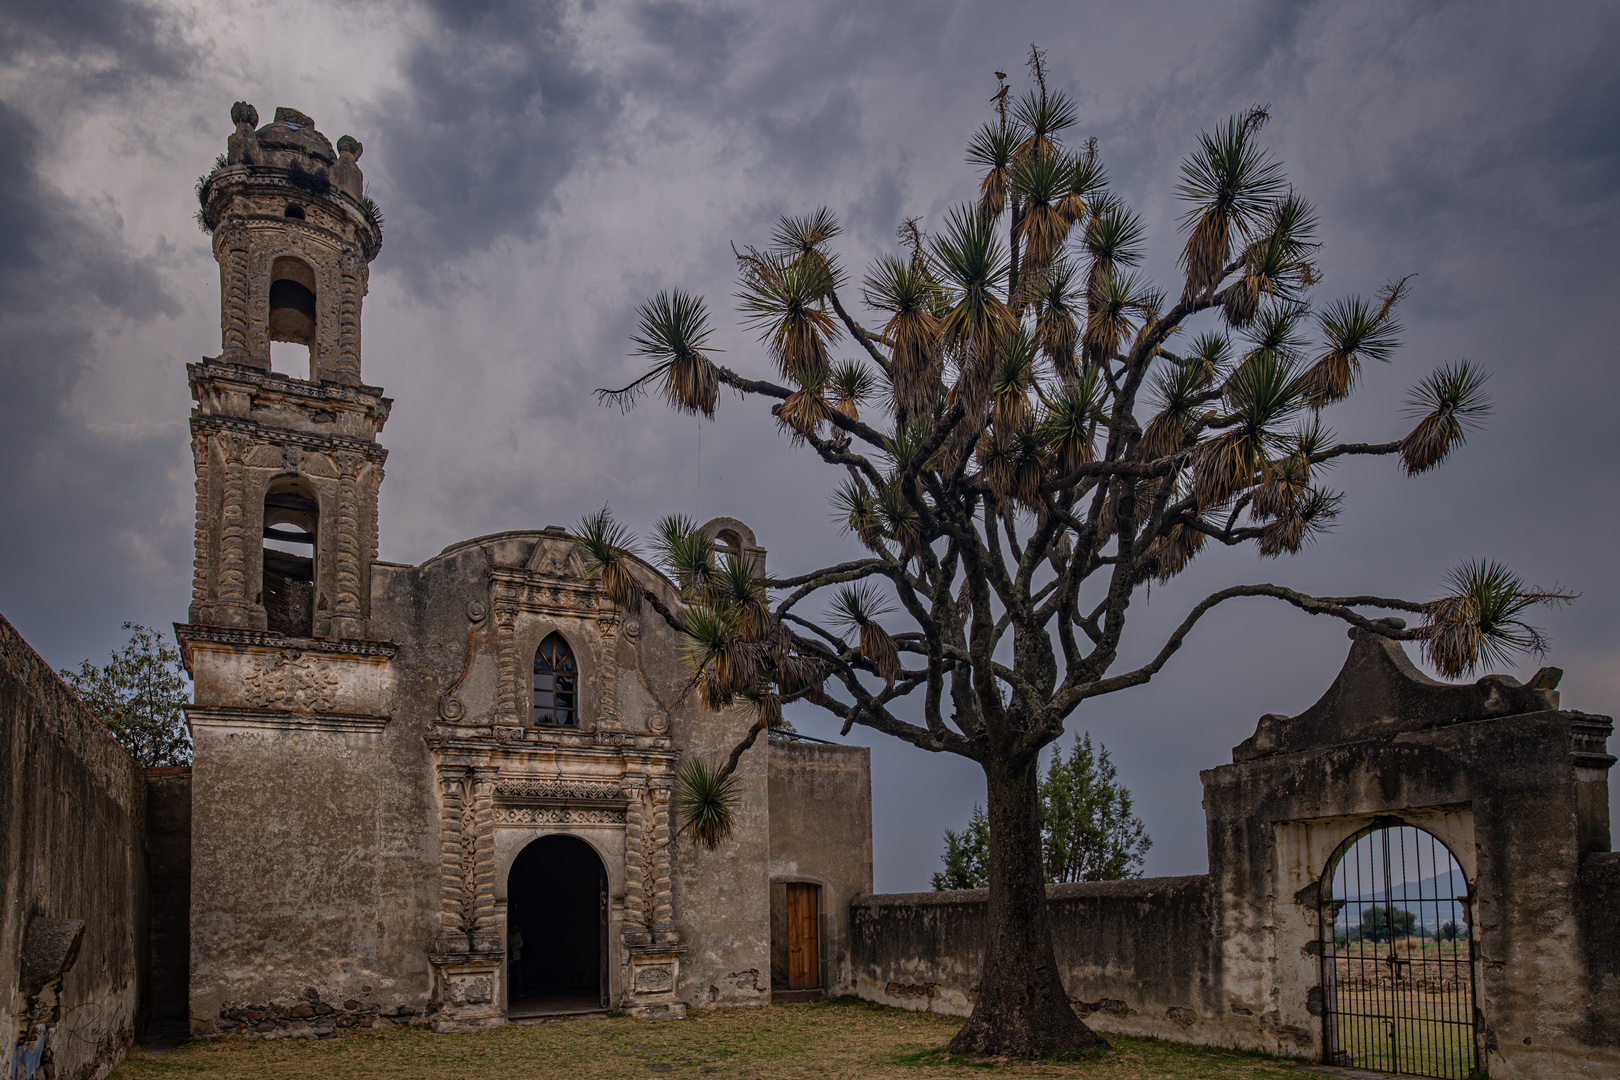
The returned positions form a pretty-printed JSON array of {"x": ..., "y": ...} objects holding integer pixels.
[
  {"x": 607, "y": 698},
  {"x": 201, "y": 538},
  {"x": 231, "y": 249},
  {"x": 468, "y": 953},
  {"x": 506, "y": 708},
  {"x": 234, "y": 607},
  {"x": 649, "y": 933},
  {"x": 348, "y": 619},
  {"x": 452, "y": 937},
  {"x": 346, "y": 368}
]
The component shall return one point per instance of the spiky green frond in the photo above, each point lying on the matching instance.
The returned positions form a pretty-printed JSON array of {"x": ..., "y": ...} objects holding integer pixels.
[
  {"x": 1045, "y": 116},
  {"x": 1012, "y": 379},
  {"x": 910, "y": 296},
  {"x": 795, "y": 236},
  {"x": 1068, "y": 426},
  {"x": 673, "y": 328},
  {"x": 706, "y": 797},
  {"x": 607, "y": 548},
  {"x": 974, "y": 264},
  {"x": 1276, "y": 265},
  {"x": 1039, "y": 184},
  {"x": 855, "y": 509},
  {"x": 1178, "y": 390},
  {"x": 686, "y": 554},
  {"x": 1087, "y": 182},
  {"x": 1231, "y": 183},
  {"x": 1479, "y": 622},
  {"x": 851, "y": 384},
  {"x": 854, "y": 605},
  {"x": 1262, "y": 394},
  {"x": 1304, "y": 518},
  {"x": 1449, "y": 404},
  {"x": 782, "y": 299},
  {"x": 1115, "y": 303},
  {"x": 1057, "y": 302},
  {"x": 991, "y": 149},
  {"x": 1114, "y": 237},
  {"x": 1356, "y": 331}
]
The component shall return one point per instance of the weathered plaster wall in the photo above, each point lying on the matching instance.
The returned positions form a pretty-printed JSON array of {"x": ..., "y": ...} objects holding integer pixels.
[
  {"x": 821, "y": 833},
  {"x": 168, "y": 847},
  {"x": 1135, "y": 955},
  {"x": 72, "y": 841},
  {"x": 721, "y": 897}
]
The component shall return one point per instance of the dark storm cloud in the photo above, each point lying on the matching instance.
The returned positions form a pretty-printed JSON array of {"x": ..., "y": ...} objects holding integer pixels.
[
  {"x": 119, "y": 39},
  {"x": 66, "y": 273},
  {"x": 497, "y": 107}
]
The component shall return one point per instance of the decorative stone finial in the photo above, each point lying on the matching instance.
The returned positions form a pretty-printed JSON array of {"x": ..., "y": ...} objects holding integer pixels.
[
  {"x": 243, "y": 113},
  {"x": 350, "y": 145},
  {"x": 293, "y": 116}
]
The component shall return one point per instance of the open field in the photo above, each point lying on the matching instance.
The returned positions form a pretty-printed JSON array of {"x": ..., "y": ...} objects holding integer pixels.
[{"x": 838, "y": 1039}]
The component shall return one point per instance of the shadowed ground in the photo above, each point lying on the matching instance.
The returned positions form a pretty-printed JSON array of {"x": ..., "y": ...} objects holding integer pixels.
[{"x": 842, "y": 1038}]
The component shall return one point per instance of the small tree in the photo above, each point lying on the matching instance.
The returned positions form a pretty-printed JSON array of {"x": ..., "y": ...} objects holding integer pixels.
[
  {"x": 1448, "y": 931},
  {"x": 1031, "y": 437},
  {"x": 967, "y": 855},
  {"x": 138, "y": 695},
  {"x": 1379, "y": 923},
  {"x": 1089, "y": 831}
]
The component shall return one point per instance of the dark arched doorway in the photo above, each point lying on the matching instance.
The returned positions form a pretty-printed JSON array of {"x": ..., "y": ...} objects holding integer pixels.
[
  {"x": 1397, "y": 955},
  {"x": 556, "y": 901}
]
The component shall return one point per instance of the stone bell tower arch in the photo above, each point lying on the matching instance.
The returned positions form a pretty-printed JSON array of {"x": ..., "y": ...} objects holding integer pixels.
[{"x": 288, "y": 469}]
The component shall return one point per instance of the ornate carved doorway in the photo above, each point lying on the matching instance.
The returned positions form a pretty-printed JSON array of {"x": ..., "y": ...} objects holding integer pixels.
[
  {"x": 1397, "y": 956},
  {"x": 556, "y": 920}
]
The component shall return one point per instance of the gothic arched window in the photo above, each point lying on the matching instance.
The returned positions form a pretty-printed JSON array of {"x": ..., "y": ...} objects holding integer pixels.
[{"x": 555, "y": 701}]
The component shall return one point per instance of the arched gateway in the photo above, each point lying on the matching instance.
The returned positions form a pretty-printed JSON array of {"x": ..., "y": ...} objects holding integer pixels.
[{"x": 1397, "y": 955}]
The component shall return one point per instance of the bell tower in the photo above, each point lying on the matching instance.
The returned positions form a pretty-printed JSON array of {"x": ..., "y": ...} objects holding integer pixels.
[{"x": 288, "y": 468}]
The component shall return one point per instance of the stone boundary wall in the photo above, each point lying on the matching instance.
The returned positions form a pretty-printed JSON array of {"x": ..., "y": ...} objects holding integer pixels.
[
  {"x": 72, "y": 848},
  {"x": 1137, "y": 956},
  {"x": 168, "y": 863},
  {"x": 1599, "y": 912}
]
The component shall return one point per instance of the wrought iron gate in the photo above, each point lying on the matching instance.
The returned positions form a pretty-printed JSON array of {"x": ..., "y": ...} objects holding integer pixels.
[{"x": 1397, "y": 956}]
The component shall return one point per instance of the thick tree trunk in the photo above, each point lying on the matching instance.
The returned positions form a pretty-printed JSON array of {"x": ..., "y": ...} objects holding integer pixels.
[{"x": 1022, "y": 1010}]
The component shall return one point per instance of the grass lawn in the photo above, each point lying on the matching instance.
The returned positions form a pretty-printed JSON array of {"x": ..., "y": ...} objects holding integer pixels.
[{"x": 843, "y": 1038}]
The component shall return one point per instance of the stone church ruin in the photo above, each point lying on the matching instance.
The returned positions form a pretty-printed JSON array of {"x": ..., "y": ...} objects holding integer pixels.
[{"x": 440, "y": 794}]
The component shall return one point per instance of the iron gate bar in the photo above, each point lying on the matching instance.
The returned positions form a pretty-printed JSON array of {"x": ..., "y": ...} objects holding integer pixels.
[{"x": 1400, "y": 1014}]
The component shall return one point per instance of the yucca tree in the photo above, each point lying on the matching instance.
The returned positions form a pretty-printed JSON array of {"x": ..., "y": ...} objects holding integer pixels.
[{"x": 1042, "y": 433}]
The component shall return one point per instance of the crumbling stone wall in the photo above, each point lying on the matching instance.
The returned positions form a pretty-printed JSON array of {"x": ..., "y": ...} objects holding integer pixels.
[
  {"x": 168, "y": 867},
  {"x": 72, "y": 851},
  {"x": 1136, "y": 955}
]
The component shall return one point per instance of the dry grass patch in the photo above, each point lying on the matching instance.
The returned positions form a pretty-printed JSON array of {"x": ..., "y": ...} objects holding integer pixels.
[{"x": 839, "y": 1039}]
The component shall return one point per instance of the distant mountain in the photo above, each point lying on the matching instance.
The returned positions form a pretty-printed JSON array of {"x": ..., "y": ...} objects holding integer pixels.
[{"x": 1434, "y": 900}]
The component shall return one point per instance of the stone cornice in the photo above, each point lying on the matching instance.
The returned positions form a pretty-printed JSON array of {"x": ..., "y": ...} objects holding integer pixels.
[
  {"x": 327, "y": 394},
  {"x": 208, "y": 716},
  {"x": 191, "y": 633},
  {"x": 481, "y": 740},
  {"x": 277, "y": 436}
]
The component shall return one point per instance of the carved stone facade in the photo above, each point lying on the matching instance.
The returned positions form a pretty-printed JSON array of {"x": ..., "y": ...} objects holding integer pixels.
[{"x": 370, "y": 764}]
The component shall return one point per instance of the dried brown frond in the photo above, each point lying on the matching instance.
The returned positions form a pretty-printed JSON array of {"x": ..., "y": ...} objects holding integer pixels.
[
  {"x": 803, "y": 412},
  {"x": 880, "y": 651},
  {"x": 1171, "y": 551}
]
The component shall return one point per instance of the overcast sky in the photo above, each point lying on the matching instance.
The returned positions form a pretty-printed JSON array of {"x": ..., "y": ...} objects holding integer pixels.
[{"x": 544, "y": 167}]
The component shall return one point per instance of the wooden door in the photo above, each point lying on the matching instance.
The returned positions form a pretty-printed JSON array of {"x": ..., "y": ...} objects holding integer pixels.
[{"x": 804, "y": 948}]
